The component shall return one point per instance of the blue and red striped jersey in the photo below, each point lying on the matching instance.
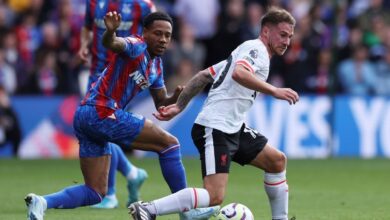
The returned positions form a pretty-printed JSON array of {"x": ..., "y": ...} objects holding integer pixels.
[
  {"x": 132, "y": 12},
  {"x": 127, "y": 74}
]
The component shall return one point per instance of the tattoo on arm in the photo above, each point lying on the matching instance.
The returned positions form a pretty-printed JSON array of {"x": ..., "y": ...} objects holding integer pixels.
[
  {"x": 193, "y": 87},
  {"x": 112, "y": 42}
]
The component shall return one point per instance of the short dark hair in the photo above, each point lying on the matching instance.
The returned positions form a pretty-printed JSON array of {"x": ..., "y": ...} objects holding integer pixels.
[
  {"x": 275, "y": 15},
  {"x": 158, "y": 15}
]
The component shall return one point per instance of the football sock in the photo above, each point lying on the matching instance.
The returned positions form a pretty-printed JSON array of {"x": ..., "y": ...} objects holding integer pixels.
[
  {"x": 110, "y": 197},
  {"x": 124, "y": 166},
  {"x": 73, "y": 197},
  {"x": 113, "y": 167},
  {"x": 183, "y": 200},
  {"x": 276, "y": 187},
  {"x": 133, "y": 173},
  {"x": 172, "y": 168}
]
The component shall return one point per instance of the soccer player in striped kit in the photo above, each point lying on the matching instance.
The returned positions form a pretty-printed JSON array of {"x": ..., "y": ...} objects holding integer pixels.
[
  {"x": 101, "y": 118},
  {"x": 133, "y": 12}
]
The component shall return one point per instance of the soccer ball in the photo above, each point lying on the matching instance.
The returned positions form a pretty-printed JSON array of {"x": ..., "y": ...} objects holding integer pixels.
[{"x": 235, "y": 211}]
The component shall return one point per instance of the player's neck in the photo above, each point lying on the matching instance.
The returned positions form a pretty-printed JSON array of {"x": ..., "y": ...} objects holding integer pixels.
[
  {"x": 150, "y": 55},
  {"x": 265, "y": 42}
]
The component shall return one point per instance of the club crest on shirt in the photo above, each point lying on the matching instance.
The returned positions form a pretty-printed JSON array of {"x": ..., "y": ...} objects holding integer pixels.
[
  {"x": 126, "y": 9},
  {"x": 139, "y": 79},
  {"x": 254, "y": 53}
]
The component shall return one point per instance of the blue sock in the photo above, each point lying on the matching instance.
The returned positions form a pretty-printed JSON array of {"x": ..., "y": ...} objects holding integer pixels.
[
  {"x": 172, "y": 168},
  {"x": 73, "y": 197},
  {"x": 112, "y": 173},
  {"x": 124, "y": 165}
]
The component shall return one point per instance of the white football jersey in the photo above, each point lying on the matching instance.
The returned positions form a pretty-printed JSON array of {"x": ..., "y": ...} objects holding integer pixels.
[{"x": 228, "y": 102}]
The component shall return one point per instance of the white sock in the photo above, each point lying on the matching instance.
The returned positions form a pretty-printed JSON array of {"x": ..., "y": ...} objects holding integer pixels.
[
  {"x": 183, "y": 200},
  {"x": 275, "y": 185},
  {"x": 133, "y": 174},
  {"x": 44, "y": 203}
]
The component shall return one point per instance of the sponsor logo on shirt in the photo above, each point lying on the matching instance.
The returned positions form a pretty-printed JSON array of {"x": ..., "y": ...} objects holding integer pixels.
[
  {"x": 124, "y": 25},
  {"x": 139, "y": 79}
]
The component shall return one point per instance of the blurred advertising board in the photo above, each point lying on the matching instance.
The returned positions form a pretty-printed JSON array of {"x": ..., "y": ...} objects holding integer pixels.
[{"x": 316, "y": 127}]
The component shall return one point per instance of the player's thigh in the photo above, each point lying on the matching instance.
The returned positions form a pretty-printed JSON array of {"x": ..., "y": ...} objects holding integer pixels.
[
  {"x": 153, "y": 138},
  {"x": 270, "y": 160},
  {"x": 120, "y": 127},
  {"x": 92, "y": 141},
  {"x": 95, "y": 171}
]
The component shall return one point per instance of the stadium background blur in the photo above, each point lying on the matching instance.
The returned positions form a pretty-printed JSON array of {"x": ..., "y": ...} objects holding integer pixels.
[{"x": 339, "y": 62}]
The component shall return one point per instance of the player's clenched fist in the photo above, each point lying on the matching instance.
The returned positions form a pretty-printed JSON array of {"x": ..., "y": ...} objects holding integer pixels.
[{"x": 112, "y": 20}]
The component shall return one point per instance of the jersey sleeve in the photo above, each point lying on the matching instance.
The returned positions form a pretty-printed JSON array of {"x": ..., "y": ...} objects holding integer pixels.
[
  {"x": 135, "y": 46},
  {"x": 159, "y": 82},
  {"x": 88, "y": 20},
  {"x": 216, "y": 69},
  {"x": 247, "y": 56}
]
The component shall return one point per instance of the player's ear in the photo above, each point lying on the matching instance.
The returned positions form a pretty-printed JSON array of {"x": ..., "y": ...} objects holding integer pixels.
[
  {"x": 145, "y": 32},
  {"x": 266, "y": 30}
]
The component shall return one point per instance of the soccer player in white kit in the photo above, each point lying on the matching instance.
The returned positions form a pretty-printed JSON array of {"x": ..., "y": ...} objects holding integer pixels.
[{"x": 220, "y": 133}]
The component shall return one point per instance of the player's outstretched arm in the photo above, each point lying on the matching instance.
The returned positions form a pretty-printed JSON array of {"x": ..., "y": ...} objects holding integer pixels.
[
  {"x": 112, "y": 21},
  {"x": 245, "y": 78},
  {"x": 161, "y": 98},
  {"x": 192, "y": 88}
]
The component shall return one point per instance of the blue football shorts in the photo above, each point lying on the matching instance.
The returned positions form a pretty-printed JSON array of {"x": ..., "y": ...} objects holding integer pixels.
[{"x": 95, "y": 134}]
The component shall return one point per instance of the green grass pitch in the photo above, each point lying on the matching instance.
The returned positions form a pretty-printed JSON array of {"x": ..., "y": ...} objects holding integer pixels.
[{"x": 332, "y": 189}]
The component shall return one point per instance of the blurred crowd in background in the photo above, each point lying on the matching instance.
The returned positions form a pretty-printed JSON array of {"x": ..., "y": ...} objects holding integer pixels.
[{"x": 339, "y": 46}]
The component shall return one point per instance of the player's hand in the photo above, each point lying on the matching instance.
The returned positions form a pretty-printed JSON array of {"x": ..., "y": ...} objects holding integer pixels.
[
  {"x": 166, "y": 113},
  {"x": 112, "y": 20},
  {"x": 83, "y": 54},
  {"x": 287, "y": 94}
]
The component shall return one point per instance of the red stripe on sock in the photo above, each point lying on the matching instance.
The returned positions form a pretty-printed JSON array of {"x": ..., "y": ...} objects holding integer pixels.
[
  {"x": 274, "y": 184},
  {"x": 196, "y": 198}
]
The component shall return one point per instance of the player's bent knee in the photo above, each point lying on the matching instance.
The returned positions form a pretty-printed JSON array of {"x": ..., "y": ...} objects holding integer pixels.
[
  {"x": 172, "y": 140},
  {"x": 169, "y": 142},
  {"x": 279, "y": 163}
]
